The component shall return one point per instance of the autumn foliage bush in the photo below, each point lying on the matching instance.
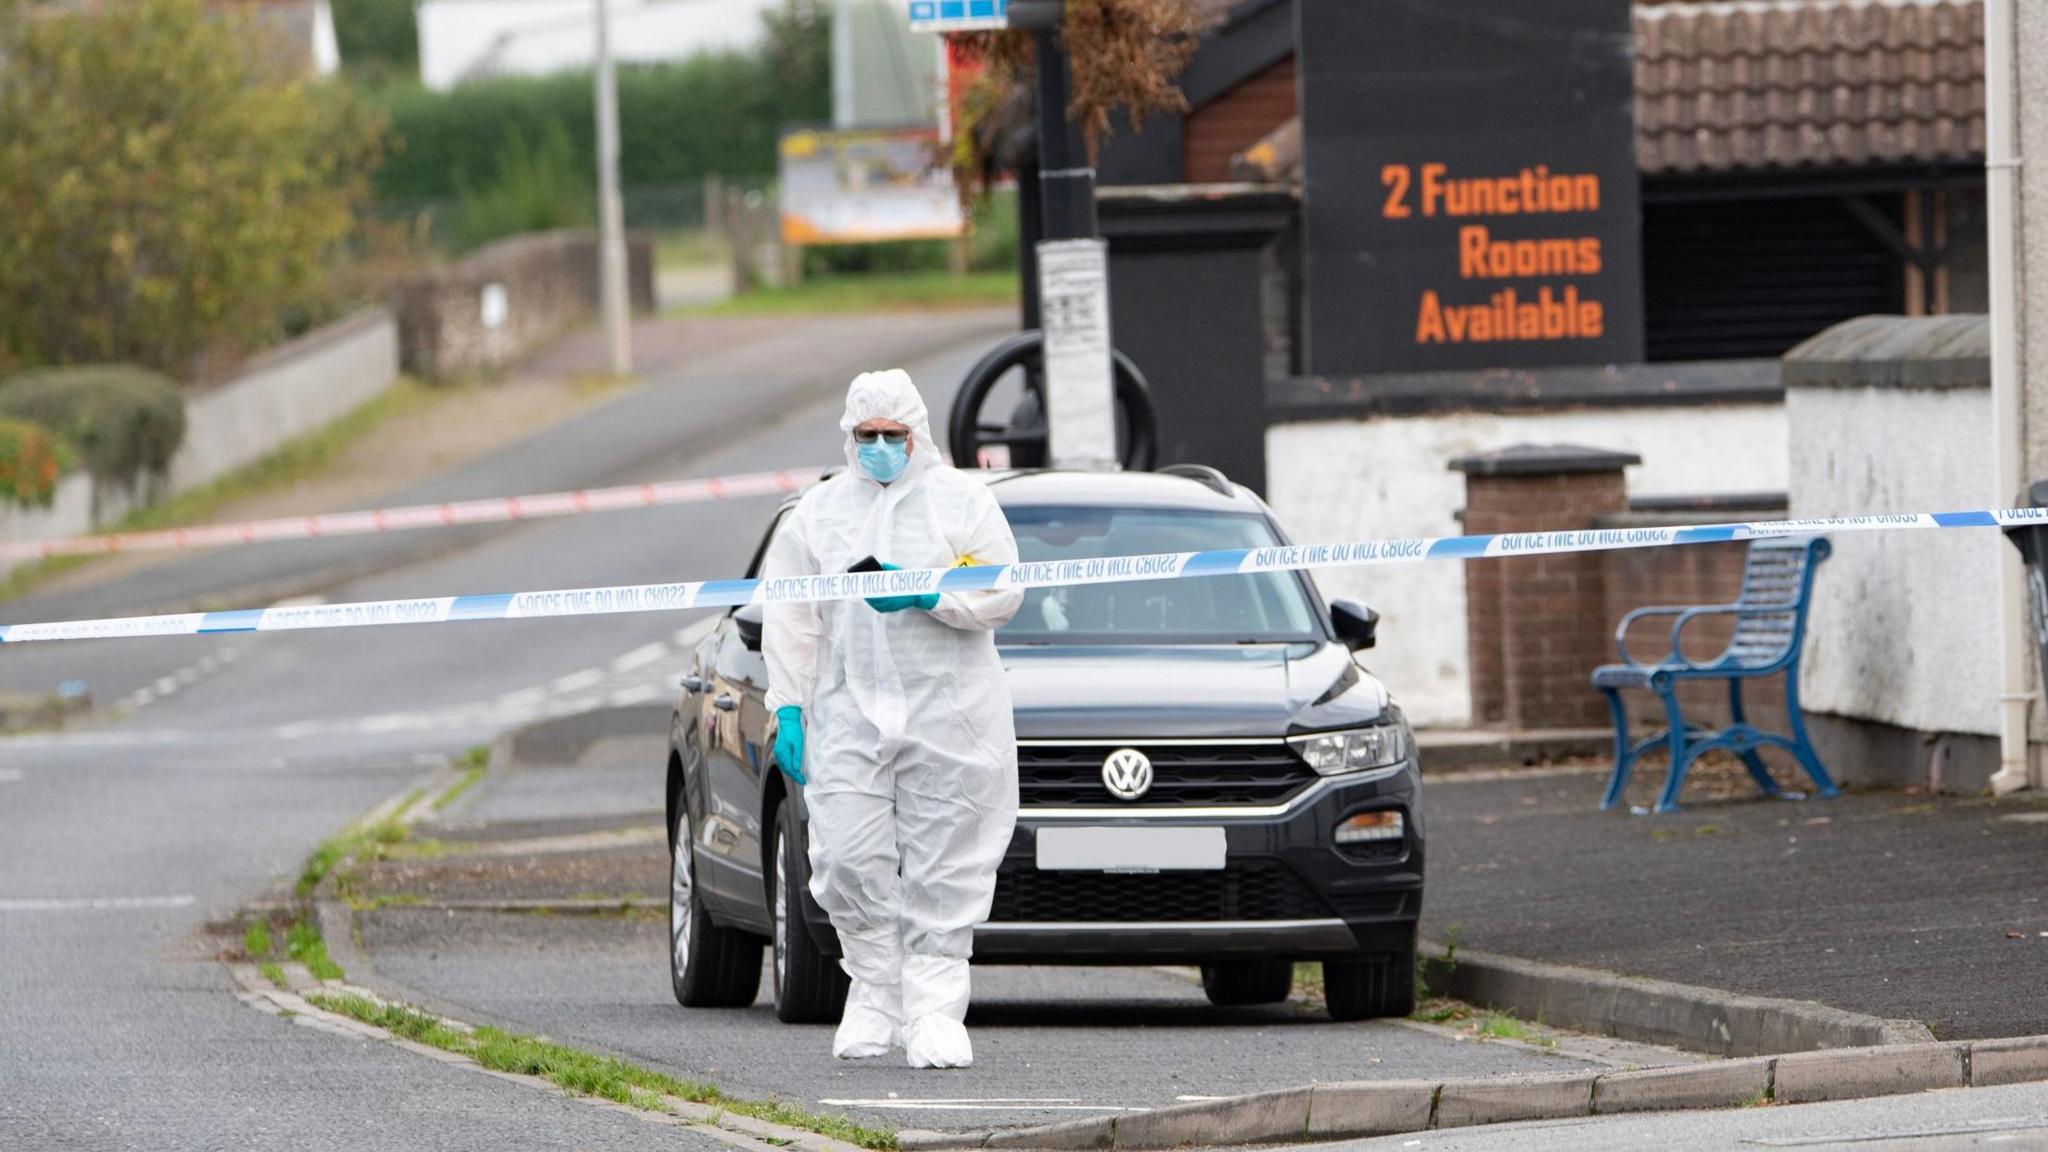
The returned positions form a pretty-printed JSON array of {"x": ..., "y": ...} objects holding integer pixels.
[
  {"x": 176, "y": 183},
  {"x": 31, "y": 460}
]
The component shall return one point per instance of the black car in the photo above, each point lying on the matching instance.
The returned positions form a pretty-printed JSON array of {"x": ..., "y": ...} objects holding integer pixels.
[{"x": 1207, "y": 775}]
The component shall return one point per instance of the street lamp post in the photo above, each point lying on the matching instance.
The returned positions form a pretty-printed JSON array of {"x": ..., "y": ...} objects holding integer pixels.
[{"x": 611, "y": 215}]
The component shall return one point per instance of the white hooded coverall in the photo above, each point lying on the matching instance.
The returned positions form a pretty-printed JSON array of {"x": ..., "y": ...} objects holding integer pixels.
[{"x": 910, "y": 743}]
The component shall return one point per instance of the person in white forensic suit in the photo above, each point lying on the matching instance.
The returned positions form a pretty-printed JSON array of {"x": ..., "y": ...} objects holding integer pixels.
[{"x": 894, "y": 716}]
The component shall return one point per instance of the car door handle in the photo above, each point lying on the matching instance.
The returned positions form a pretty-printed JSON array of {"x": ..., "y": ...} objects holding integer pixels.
[
  {"x": 725, "y": 703},
  {"x": 693, "y": 683}
]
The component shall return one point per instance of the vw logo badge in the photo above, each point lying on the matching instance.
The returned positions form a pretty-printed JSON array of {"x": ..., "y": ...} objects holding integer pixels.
[{"x": 1127, "y": 774}]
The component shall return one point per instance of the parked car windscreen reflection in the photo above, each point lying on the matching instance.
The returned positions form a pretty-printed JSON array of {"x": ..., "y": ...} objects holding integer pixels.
[{"x": 1262, "y": 607}]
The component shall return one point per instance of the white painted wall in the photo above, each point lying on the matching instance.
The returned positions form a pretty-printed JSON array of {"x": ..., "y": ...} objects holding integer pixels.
[
  {"x": 1904, "y": 625},
  {"x": 462, "y": 39},
  {"x": 1362, "y": 479}
]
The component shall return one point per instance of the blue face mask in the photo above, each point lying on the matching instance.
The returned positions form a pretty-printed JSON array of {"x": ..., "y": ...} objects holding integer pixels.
[{"x": 882, "y": 460}]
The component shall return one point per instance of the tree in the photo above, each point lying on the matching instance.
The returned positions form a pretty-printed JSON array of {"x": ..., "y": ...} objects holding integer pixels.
[
  {"x": 798, "y": 52},
  {"x": 1126, "y": 57},
  {"x": 172, "y": 187},
  {"x": 379, "y": 39}
]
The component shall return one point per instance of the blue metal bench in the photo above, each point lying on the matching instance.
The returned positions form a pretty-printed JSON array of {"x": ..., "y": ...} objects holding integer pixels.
[{"x": 1770, "y": 630}]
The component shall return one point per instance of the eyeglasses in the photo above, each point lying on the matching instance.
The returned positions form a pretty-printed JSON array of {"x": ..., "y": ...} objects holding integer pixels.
[{"x": 870, "y": 435}]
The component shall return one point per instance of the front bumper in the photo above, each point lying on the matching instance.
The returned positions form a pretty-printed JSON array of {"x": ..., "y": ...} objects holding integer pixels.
[{"x": 1286, "y": 890}]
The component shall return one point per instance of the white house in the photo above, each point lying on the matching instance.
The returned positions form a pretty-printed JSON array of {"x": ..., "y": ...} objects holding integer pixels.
[{"x": 468, "y": 39}]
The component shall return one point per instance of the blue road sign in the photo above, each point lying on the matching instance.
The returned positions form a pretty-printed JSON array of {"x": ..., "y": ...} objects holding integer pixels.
[{"x": 959, "y": 15}]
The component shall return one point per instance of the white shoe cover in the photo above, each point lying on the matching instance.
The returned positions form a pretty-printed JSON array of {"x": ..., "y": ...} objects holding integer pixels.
[
  {"x": 871, "y": 1024},
  {"x": 937, "y": 1041}
]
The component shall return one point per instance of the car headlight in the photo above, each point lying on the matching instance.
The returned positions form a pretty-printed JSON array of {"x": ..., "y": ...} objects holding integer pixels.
[{"x": 1353, "y": 750}]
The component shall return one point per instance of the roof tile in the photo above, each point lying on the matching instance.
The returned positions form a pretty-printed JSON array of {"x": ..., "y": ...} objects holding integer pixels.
[{"x": 1727, "y": 85}]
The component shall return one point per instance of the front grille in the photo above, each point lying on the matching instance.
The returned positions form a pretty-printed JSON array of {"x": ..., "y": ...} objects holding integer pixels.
[
  {"x": 1210, "y": 775},
  {"x": 1252, "y": 890}
]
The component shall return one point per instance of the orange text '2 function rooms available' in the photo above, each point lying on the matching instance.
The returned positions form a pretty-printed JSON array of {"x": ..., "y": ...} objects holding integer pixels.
[{"x": 1477, "y": 213}]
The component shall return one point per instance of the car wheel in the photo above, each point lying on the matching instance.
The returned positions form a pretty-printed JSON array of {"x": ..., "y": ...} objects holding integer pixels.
[
  {"x": 1371, "y": 986},
  {"x": 810, "y": 988},
  {"x": 1248, "y": 982},
  {"x": 709, "y": 966}
]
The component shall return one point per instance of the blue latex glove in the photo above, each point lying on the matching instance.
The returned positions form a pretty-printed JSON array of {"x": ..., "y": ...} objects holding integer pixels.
[
  {"x": 927, "y": 602},
  {"x": 789, "y": 742}
]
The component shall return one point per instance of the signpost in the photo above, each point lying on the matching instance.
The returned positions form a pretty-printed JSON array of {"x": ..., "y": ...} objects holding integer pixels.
[
  {"x": 959, "y": 15},
  {"x": 1471, "y": 196}
]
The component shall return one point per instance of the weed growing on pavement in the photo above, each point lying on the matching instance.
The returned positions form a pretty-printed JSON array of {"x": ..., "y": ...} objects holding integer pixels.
[
  {"x": 256, "y": 940},
  {"x": 586, "y": 1073},
  {"x": 470, "y": 776},
  {"x": 1500, "y": 1026},
  {"x": 272, "y": 973},
  {"x": 304, "y": 944},
  {"x": 376, "y": 841}
]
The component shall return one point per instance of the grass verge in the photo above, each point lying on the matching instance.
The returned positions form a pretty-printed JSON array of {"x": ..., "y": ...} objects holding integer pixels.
[
  {"x": 294, "y": 461},
  {"x": 475, "y": 763},
  {"x": 877, "y": 292},
  {"x": 303, "y": 943},
  {"x": 586, "y": 1073}
]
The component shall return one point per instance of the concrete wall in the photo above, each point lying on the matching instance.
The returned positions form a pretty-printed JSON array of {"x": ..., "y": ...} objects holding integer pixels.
[
  {"x": 1904, "y": 624},
  {"x": 1389, "y": 476},
  {"x": 1893, "y": 414},
  {"x": 294, "y": 389},
  {"x": 477, "y": 315}
]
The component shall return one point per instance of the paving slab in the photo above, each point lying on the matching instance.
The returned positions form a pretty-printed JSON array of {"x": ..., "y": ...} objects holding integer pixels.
[{"x": 1890, "y": 904}]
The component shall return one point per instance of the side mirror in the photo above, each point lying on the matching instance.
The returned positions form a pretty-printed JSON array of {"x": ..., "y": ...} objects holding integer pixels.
[
  {"x": 748, "y": 620},
  {"x": 1357, "y": 626}
]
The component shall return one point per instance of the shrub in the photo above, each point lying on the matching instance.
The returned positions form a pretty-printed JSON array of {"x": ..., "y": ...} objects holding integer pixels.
[
  {"x": 173, "y": 189},
  {"x": 126, "y": 421},
  {"x": 31, "y": 460},
  {"x": 536, "y": 188}
]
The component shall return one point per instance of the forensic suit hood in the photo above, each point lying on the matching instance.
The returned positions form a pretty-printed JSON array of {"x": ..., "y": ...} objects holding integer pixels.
[{"x": 911, "y": 749}]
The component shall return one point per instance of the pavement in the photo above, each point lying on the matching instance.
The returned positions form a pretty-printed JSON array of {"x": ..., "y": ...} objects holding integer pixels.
[
  {"x": 1891, "y": 904},
  {"x": 119, "y": 843},
  {"x": 1051, "y": 1043}
]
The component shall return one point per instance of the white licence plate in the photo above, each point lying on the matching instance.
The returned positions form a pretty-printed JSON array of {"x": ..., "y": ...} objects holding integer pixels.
[{"x": 1128, "y": 849}]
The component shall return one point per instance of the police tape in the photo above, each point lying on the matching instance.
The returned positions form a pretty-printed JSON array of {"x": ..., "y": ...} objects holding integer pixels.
[
  {"x": 455, "y": 514},
  {"x": 981, "y": 578}
]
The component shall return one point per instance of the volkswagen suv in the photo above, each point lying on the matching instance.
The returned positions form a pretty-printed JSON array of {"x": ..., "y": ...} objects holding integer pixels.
[{"x": 1208, "y": 776}]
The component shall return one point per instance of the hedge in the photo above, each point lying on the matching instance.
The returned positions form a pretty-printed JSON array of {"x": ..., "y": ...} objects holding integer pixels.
[
  {"x": 127, "y": 422},
  {"x": 31, "y": 460},
  {"x": 715, "y": 113}
]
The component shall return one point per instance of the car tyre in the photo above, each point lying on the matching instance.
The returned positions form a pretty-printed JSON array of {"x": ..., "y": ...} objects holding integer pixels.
[
  {"x": 1248, "y": 982},
  {"x": 809, "y": 986},
  {"x": 1371, "y": 987},
  {"x": 709, "y": 966}
]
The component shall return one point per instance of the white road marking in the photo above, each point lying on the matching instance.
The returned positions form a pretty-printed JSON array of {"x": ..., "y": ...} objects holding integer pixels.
[
  {"x": 12, "y": 775},
  {"x": 525, "y": 697},
  {"x": 576, "y": 681},
  {"x": 166, "y": 685},
  {"x": 625, "y": 696},
  {"x": 640, "y": 657},
  {"x": 95, "y": 904}
]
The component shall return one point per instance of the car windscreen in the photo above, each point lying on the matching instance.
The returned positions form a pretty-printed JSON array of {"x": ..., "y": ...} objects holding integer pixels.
[{"x": 1267, "y": 606}]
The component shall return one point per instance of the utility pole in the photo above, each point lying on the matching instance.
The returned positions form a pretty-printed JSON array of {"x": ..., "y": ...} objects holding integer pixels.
[
  {"x": 613, "y": 300},
  {"x": 842, "y": 65},
  {"x": 1073, "y": 266}
]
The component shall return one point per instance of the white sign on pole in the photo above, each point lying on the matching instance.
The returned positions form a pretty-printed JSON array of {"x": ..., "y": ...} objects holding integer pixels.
[
  {"x": 1080, "y": 381},
  {"x": 959, "y": 15}
]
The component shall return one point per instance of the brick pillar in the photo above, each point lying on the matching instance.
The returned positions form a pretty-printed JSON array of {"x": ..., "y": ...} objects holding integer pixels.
[{"x": 1537, "y": 625}]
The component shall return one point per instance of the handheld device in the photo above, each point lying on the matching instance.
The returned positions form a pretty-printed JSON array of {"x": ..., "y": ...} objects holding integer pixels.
[{"x": 868, "y": 565}]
